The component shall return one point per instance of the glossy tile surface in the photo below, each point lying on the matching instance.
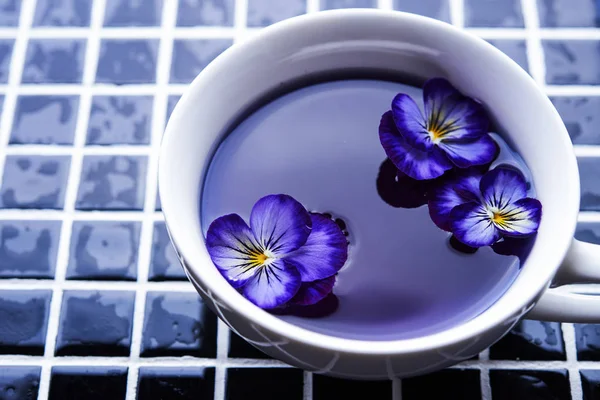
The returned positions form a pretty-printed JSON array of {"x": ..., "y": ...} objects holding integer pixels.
[
  {"x": 120, "y": 120},
  {"x": 267, "y": 12},
  {"x": 178, "y": 324},
  {"x": 438, "y": 9},
  {"x": 448, "y": 384},
  {"x": 24, "y": 316},
  {"x": 326, "y": 388},
  {"x": 176, "y": 383},
  {"x": 28, "y": 249},
  {"x": 62, "y": 13},
  {"x": 590, "y": 383},
  {"x": 54, "y": 61},
  {"x": 191, "y": 56},
  {"x": 538, "y": 385},
  {"x": 205, "y": 13},
  {"x": 164, "y": 264},
  {"x": 493, "y": 13},
  {"x": 88, "y": 382},
  {"x": 572, "y": 62},
  {"x": 19, "y": 383},
  {"x": 272, "y": 384},
  {"x": 95, "y": 323},
  {"x": 569, "y": 13},
  {"x": 56, "y": 114},
  {"x": 531, "y": 340},
  {"x": 127, "y": 61}
]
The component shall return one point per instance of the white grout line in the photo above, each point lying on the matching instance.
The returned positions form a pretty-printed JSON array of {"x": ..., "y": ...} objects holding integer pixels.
[
  {"x": 396, "y": 389},
  {"x": 385, "y": 4},
  {"x": 457, "y": 13},
  {"x": 569, "y": 338},
  {"x": 159, "y": 109},
  {"x": 312, "y": 6},
  {"x": 308, "y": 386},
  {"x": 223, "y": 339},
  {"x": 535, "y": 52},
  {"x": 486, "y": 388},
  {"x": 240, "y": 19}
]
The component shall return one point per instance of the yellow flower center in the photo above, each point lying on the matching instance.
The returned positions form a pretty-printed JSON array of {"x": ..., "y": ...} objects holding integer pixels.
[
  {"x": 259, "y": 258},
  {"x": 436, "y": 134}
]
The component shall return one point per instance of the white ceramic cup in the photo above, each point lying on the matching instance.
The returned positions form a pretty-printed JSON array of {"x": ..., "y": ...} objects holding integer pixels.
[{"x": 397, "y": 43}]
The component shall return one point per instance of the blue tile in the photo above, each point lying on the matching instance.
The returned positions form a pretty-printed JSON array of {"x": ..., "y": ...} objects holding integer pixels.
[
  {"x": 192, "y": 56},
  {"x": 590, "y": 383},
  {"x": 531, "y": 385},
  {"x": 569, "y": 13},
  {"x": 6, "y": 49},
  {"x": 88, "y": 383},
  {"x": 239, "y": 348},
  {"x": 62, "y": 13},
  {"x": 24, "y": 316},
  {"x": 133, "y": 12},
  {"x": 171, "y": 103},
  {"x": 587, "y": 337},
  {"x": 9, "y": 12},
  {"x": 588, "y": 232},
  {"x": 493, "y": 13},
  {"x": 95, "y": 324},
  {"x": 34, "y": 182},
  {"x": 515, "y": 49},
  {"x": 272, "y": 384},
  {"x": 267, "y": 12},
  {"x": 112, "y": 183},
  {"x": 45, "y": 120},
  {"x": 438, "y": 9},
  {"x": 336, "y": 4},
  {"x": 327, "y": 388},
  {"x": 178, "y": 324},
  {"x": 54, "y": 61},
  {"x": 176, "y": 383},
  {"x": 581, "y": 116},
  {"x": 127, "y": 61},
  {"x": 164, "y": 265},
  {"x": 205, "y": 12},
  {"x": 120, "y": 120},
  {"x": 19, "y": 383},
  {"x": 531, "y": 340},
  {"x": 572, "y": 62},
  {"x": 589, "y": 170},
  {"x": 28, "y": 249},
  {"x": 102, "y": 250},
  {"x": 460, "y": 384}
]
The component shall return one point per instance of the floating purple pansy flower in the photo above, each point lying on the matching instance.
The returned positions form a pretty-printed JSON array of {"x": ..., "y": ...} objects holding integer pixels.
[
  {"x": 286, "y": 255},
  {"x": 481, "y": 209},
  {"x": 453, "y": 132}
]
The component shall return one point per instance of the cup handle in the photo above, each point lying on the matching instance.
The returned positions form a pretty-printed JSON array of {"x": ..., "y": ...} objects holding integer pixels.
[{"x": 581, "y": 265}]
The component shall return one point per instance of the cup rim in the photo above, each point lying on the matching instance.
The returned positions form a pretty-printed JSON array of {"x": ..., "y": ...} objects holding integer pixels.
[{"x": 483, "y": 322}]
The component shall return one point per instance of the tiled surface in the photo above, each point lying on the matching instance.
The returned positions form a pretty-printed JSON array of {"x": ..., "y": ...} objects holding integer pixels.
[{"x": 86, "y": 267}]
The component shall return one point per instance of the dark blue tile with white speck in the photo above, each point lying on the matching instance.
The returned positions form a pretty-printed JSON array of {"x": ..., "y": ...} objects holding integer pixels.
[
  {"x": 102, "y": 250},
  {"x": 88, "y": 383},
  {"x": 45, "y": 120},
  {"x": 34, "y": 182},
  {"x": 530, "y": 385},
  {"x": 178, "y": 324},
  {"x": 95, "y": 324},
  {"x": 19, "y": 383},
  {"x": 127, "y": 61},
  {"x": 28, "y": 249},
  {"x": 176, "y": 383},
  {"x": 24, "y": 316}
]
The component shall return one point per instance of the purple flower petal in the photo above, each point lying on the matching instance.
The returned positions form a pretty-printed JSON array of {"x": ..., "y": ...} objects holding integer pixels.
[
  {"x": 472, "y": 225},
  {"x": 415, "y": 163},
  {"x": 232, "y": 247},
  {"x": 450, "y": 114},
  {"x": 313, "y": 292},
  {"x": 466, "y": 154},
  {"x": 515, "y": 246},
  {"x": 410, "y": 122},
  {"x": 520, "y": 218},
  {"x": 324, "y": 253},
  {"x": 273, "y": 284},
  {"x": 280, "y": 224},
  {"x": 502, "y": 186},
  {"x": 460, "y": 190}
]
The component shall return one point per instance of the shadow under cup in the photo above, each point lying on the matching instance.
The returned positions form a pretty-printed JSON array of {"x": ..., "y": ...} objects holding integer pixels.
[{"x": 365, "y": 44}]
